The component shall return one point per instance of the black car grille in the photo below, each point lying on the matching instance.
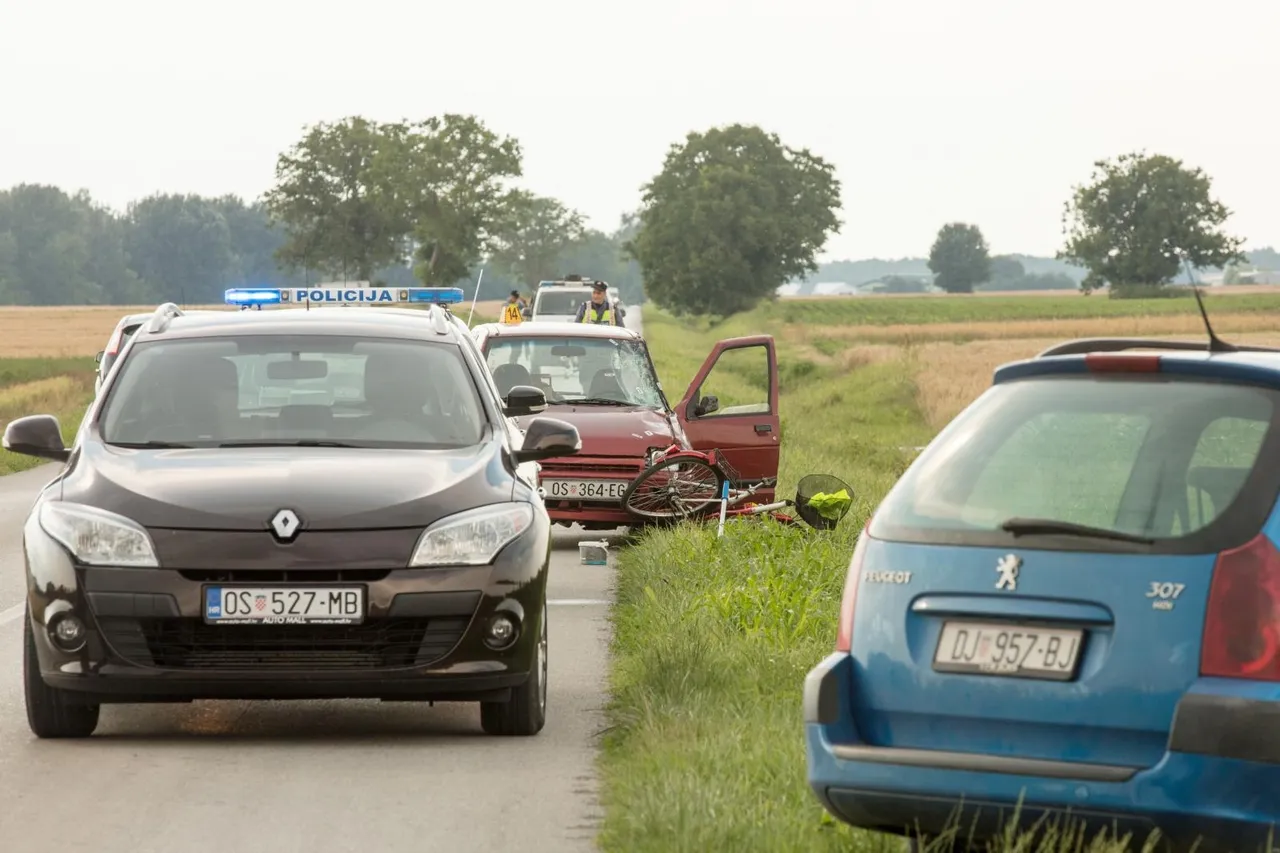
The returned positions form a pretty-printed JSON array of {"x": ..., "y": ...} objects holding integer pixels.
[
  {"x": 192, "y": 644},
  {"x": 254, "y": 576}
]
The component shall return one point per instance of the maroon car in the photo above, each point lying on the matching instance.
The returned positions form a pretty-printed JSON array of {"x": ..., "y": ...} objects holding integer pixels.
[{"x": 601, "y": 380}]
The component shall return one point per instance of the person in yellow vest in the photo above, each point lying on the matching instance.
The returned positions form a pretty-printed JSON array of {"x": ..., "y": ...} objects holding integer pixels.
[
  {"x": 513, "y": 311},
  {"x": 598, "y": 310}
]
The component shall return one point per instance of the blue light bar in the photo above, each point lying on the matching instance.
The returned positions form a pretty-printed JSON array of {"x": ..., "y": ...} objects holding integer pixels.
[
  {"x": 254, "y": 296},
  {"x": 344, "y": 296},
  {"x": 437, "y": 295}
]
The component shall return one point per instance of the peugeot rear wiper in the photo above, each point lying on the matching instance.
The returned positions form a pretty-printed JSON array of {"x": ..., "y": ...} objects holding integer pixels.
[
  {"x": 286, "y": 442},
  {"x": 1031, "y": 526}
]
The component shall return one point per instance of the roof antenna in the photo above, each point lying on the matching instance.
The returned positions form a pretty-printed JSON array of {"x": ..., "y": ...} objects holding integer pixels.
[{"x": 1216, "y": 344}]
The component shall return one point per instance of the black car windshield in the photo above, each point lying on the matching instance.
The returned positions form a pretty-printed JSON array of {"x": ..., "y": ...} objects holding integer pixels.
[
  {"x": 294, "y": 389},
  {"x": 1137, "y": 458},
  {"x": 560, "y": 301},
  {"x": 595, "y": 371}
]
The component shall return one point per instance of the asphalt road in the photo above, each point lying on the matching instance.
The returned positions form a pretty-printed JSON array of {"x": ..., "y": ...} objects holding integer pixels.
[{"x": 310, "y": 777}]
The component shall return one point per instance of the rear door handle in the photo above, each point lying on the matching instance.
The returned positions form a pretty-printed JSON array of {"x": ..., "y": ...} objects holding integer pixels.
[{"x": 763, "y": 428}]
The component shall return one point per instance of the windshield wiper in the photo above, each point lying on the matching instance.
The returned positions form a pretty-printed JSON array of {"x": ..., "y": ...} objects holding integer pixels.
[
  {"x": 599, "y": 401},
  {"x": 286, "y": 442},
  {"x": 1031, "y": 526},
  {"x": 151, "y": 445}
]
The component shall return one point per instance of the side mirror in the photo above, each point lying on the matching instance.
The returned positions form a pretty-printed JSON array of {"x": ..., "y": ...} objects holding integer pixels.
[
  {"x": 524, "y": 400},
  {"x": 706, "y": 406},
  {"x": 547, "y": 438},
  {"x": 97, "y": 359},
  {"x": 36, "y": 435}
]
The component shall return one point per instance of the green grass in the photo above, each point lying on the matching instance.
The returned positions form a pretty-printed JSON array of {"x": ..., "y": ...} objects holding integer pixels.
[
  {"x": 62, "y": 387},
  {"x": 714, "y": 636},
  {"x": 909, "y": 310}
]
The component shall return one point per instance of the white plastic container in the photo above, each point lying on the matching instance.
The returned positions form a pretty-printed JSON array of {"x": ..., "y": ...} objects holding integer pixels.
[{"x": 594, "y": 553}]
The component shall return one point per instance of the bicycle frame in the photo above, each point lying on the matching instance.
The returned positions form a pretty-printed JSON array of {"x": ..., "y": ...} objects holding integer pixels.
[{"x": 736, "y": 495}]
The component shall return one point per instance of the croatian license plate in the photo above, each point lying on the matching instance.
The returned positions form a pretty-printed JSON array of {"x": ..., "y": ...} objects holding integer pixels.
[
  {"x": 586, "y": 490},
  {"x": 1011, "y": 650},
  {"x": 292, "y": 605}
]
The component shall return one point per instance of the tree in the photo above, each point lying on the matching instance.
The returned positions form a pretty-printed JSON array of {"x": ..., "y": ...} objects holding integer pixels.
[
  {"x": 733, "y": 215},
  {"x": 341, "y": 195},
  {"x": 57, "y": 249},
  {"x": 454, "y": 171},
  {"x": 960, "y": 258},
  {"x": 181, "y": 247},
  {"x": 1141, "y": 218},
  {"x": 537, "y": 232}
]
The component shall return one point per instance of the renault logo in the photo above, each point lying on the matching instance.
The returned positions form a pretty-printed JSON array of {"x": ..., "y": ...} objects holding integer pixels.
[{"x": 285, "y": 524}]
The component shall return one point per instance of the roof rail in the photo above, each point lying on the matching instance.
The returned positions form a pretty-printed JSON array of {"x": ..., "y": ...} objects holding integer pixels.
[
  {"x": 161, "y": 316},
  {"x": 1087, "y": 345},
  {"x": 440, "y": 319}
]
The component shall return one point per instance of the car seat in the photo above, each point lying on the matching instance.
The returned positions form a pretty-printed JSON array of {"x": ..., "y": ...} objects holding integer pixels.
[
  {"x": 508, "y": 376},
  {"x": 203, "y": 396},
  {"x": 605, "y": 385}
]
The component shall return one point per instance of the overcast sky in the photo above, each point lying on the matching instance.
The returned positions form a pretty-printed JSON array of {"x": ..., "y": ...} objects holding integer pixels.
[{"x": 985, "y": 111}]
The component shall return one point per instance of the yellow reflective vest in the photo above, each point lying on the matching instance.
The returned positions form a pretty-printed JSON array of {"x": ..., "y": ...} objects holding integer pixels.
[
  {"x": 511, "y": 314},
  {"x": 605, "y": 318}
]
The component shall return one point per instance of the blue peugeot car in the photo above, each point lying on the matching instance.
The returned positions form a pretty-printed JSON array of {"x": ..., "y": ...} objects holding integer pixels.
[{"x": 1068, "y": 610}]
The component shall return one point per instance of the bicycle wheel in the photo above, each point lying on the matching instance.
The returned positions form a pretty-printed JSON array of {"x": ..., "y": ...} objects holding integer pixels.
[{"x": 677, "y": 487}]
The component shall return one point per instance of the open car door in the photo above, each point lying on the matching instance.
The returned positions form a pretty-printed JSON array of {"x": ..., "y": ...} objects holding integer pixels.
[{"x": 732, "y": 406}]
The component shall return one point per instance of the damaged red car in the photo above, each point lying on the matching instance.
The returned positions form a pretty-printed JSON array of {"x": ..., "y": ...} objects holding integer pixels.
[{"x": 602, "y": 380}]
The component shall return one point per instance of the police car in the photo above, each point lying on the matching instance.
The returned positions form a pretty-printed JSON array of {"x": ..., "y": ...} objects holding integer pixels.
[
  {"x": 557, "y": 301},
  {"x": 323, "y": 502}
]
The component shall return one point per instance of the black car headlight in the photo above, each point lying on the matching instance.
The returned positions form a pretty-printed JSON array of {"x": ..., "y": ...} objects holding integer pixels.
[
  {"x": 472, "y": 538},
  {"x": 96, "y": 537}
]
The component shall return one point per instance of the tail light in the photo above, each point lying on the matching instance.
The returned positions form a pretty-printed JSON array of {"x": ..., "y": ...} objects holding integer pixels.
[
  {"x": 844, "y": 636},
  {"x": 113, "y": 344},
  {"x": 1242, "y": 623}
]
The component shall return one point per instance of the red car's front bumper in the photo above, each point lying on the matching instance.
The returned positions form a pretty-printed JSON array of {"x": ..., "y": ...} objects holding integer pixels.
[{"x": 566, "y": 501}]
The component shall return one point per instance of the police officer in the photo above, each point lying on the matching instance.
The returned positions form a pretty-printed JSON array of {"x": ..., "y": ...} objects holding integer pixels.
[{"x": 598, "y": 310}]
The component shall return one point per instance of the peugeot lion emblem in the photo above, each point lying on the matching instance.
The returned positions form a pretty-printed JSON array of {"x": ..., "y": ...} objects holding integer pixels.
[
  {"x": 1008, "y": 566},
  {"x": 285, "y": 524}
]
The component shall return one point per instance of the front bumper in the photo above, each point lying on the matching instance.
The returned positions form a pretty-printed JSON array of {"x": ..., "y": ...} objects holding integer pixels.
[
  {"x": 1208, "y": 786},
  {"x": 422, "y": 638}
]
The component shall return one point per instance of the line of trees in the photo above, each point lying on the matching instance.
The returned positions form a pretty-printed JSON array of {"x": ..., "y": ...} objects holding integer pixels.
[
  {"x": 732, "y": 215},
  {"x": 1142, "y": 220},
  {"x": 397, "y": 203}
]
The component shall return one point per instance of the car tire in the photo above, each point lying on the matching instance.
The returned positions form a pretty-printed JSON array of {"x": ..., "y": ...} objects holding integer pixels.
[
  {"x": 526, "y": 712},
  {"x": 52, "y": 713}
]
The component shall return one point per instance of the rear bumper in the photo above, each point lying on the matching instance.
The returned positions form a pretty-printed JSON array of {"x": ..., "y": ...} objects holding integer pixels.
[{"x": 1208, "y": 785}]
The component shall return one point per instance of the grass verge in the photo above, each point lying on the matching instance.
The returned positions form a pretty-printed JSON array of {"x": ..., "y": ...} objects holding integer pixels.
[
  {"x": 713, "y": 637},
  {"x": 62, "y": 387}
]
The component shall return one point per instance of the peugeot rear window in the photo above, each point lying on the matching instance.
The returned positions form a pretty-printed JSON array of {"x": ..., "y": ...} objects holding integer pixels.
[
  {"x": 294, "y": 389},
  {"x": 1173, "y": 461}
]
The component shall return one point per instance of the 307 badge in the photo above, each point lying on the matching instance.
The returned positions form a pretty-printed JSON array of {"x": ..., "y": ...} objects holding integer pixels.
[{"x": 1164, "y": 594}]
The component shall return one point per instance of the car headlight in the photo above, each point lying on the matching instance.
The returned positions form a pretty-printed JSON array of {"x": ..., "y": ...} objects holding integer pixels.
[
  {"x": 96, "y": 537},
  {"x": 472, "y": 538}
]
